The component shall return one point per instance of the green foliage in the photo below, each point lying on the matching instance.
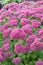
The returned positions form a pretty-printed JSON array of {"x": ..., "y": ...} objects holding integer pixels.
[
  {"x": 4, "y": 21},
  {"x": 32, "y": 63},
  {"x": 1, "y": 39},
  {"x": 7, "y": 62},
  {"x": 21, "y": 63},
  {"x": 34, "y": 55},
  {"x": 41, "y": 25},
  {"x": 9, "y": 1},
  {"x": 4, "y": 1},
  {"x": 29, "y": 58},
  {"x": 31, "y": 18},
  {"x": 34, "y": 30},
  {"x": 41, "y": 54}
]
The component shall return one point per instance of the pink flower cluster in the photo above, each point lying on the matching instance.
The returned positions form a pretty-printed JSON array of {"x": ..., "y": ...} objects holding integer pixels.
[
  {"x": 19, "y": 48},
  {"x": 17, "y": 22},
  {"x": 18, "y": 33},
  {"x": 35, "y": 23},
  {"x": 39, "y": 62},
  {"x": 24, "y": 21},
  {"x": 16, "y": 60}
]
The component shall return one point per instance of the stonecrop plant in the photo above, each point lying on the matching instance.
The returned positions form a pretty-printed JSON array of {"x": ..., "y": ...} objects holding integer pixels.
[{"x": 21, "y": 33}]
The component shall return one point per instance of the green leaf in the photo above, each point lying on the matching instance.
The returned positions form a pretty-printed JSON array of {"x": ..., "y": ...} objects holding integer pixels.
[
  {"x": 41, "y": 23},
  {"x": 14, "y": 55},
  {"x": 23, "y": 56},
  {"x": 34, "y": 30},
  {"x": 34, "y": 55},
  {"x": 21, "y": 63},
  {"x": 28, "y": 55},
  {"x": 20, "y": 54},
  {"x": 32, "y": 63},
  {"x": 41, "y": 54},
  {"x": 31, "y": 18},
  {"x": 13, "y": 0},
  {"x": 5, "y": 1},
  {"x": 19, "y": 0},
  {"x": 41, "y": 26}
]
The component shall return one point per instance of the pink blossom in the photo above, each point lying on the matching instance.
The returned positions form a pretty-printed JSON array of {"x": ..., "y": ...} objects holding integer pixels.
[
  {"x": 31, "y": 38},
  {"x": 22, "y": 15},
  {"x": 39, "y": 3},
  {"x": 13, "y": 22},
  {"x": 4, "y": 27},
  {"x": 16, "y": 60},
  {"x": 39, "y": 62},
  {"x": 38, "y": 15},
  {"x": 1, "y": 57},
  {"x": 6, "y": 13},
  {"x": 41, "y": 38},
  {"x": 41, "y": 45},
  {"x": 27, "y": 28},
  {"x": 7, "y": 32},
  {"x": 6, "y": 47},
  {"x": 0, "y": 49},
  {"x": 18, "y": 48},
  {"x": 35, "y": 23},
  {"x": 24, "y": 21},
  {"x": 18, "y": 34},
  {"x": 41, "y": 32},
  {"x": 32, "y": 47},
  {"x": 7, "y": 54},
  {"x": 42, "y": 19},
  {"x": 6, "y": 41},
  {"x": 25, "y": 3},
  {"x": 0, "y": 20},
  {"x": 35, "y": 45},
  {"x": 23, "y": 50},
  {"x": 27, "y": 47},
  {"x": 12, "y": 17}
]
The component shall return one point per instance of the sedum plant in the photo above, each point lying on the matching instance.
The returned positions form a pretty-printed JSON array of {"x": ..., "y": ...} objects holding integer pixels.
[{"x": 21, "y": 33}]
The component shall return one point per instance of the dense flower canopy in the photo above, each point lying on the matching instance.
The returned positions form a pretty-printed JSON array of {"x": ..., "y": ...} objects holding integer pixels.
[{"x": 21, "y": 31}]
